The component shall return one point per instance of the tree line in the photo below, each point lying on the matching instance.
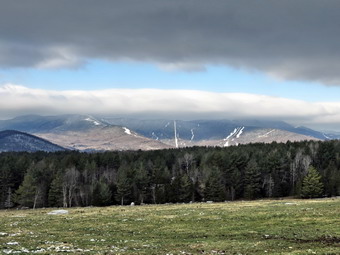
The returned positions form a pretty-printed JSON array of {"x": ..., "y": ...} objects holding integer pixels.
[{"x": 66, "y": 179}]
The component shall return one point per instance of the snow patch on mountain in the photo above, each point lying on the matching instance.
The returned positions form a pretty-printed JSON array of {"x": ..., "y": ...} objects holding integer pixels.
[
  {"x": 236, "y": 133},
  {"x": 268, "y": 133},
  {"x": 154, "y": 136},
  {"x": 230, "y": 135},
  {"x": 192, "y": 134},
  {"x": 127, "y": 131},
  {"x": 240, "y": 132},
  {"x": 95, "y": 122},
  {"x": 176, "y": 139},
  {"x": 327, "y": 137}
]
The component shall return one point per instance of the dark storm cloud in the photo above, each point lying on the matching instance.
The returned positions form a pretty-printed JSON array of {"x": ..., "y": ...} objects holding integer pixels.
[{"x": 290, "y": 39}]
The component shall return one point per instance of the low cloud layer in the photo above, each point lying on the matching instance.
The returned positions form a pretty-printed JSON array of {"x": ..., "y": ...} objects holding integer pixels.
[
  {"x": 166, "y": 104},
  {"x": 289, "y": 39}
]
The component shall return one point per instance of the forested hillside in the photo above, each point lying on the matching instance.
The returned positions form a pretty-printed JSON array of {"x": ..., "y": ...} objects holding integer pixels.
[{"x": 307, "y": 169}]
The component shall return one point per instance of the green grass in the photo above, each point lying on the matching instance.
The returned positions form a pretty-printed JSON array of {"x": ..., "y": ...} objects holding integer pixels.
[{"x": 256, "y": 227}]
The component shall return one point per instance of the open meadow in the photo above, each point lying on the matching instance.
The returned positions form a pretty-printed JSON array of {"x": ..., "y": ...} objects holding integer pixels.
[{"x": 254, "y": 227}]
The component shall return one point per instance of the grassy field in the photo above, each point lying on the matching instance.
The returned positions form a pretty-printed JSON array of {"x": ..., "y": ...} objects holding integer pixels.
[{"x": 256, "y": 227}]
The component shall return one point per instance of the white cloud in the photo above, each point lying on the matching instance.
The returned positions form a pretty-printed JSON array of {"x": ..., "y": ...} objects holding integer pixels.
[{"x": 169, "y": 104}]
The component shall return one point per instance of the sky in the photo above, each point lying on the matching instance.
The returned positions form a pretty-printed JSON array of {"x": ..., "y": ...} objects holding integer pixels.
[{"x": 191, "y": 59}]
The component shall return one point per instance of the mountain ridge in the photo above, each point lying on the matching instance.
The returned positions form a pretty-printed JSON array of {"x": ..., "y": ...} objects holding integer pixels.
[
  {"x": 209, "y": 129},
  {"x": 82, "y": 132},
  {"x": 88, "y": 133},
  {"x": 13, "y": 140}
]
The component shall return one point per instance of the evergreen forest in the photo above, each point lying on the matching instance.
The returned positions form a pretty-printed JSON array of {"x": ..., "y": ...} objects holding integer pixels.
[{"x": 65, "y": 179}]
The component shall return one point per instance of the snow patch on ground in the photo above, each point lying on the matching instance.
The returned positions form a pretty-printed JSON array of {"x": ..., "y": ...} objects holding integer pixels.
[
  {"x": 12, "y": 243},
  {"x": 58, "y": 212},
  {"x": 53, "y": 249}
]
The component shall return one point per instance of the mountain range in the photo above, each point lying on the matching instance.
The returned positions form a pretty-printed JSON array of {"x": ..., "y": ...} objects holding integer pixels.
[
  {"x": 81, "y": 132},
  {"x": 219, "y": 132},
  {"x": 88, "y": 133}
]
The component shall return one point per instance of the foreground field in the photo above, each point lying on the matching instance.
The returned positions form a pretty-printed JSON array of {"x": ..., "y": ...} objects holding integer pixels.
[{"x": 259, "y": 227}]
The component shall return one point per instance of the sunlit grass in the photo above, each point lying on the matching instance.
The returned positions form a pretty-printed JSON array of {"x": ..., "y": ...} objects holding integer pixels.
[{"x": 256, "y": 227}]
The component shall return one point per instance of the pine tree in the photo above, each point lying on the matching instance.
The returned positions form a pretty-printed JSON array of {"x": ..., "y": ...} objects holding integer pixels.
[
  {"x": 142, "y": 182},
  {"x": 185, "y": 189},
  {"x": 252, "y": 181},
  {"x": 55, "y": 194},
  {"x": 123, "y": 185},
  {"x": 28, "y": 192},
  {"x": 331, "y": 180},
  {"x": 311, "y": 185},
  {"x": 5, "y": 182},
  {"x": 105, "y": 193},
  {"x": 96, "y": 199},
  {"x": 214, "y": 188},
  {"x": 101, "y": 194}
]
